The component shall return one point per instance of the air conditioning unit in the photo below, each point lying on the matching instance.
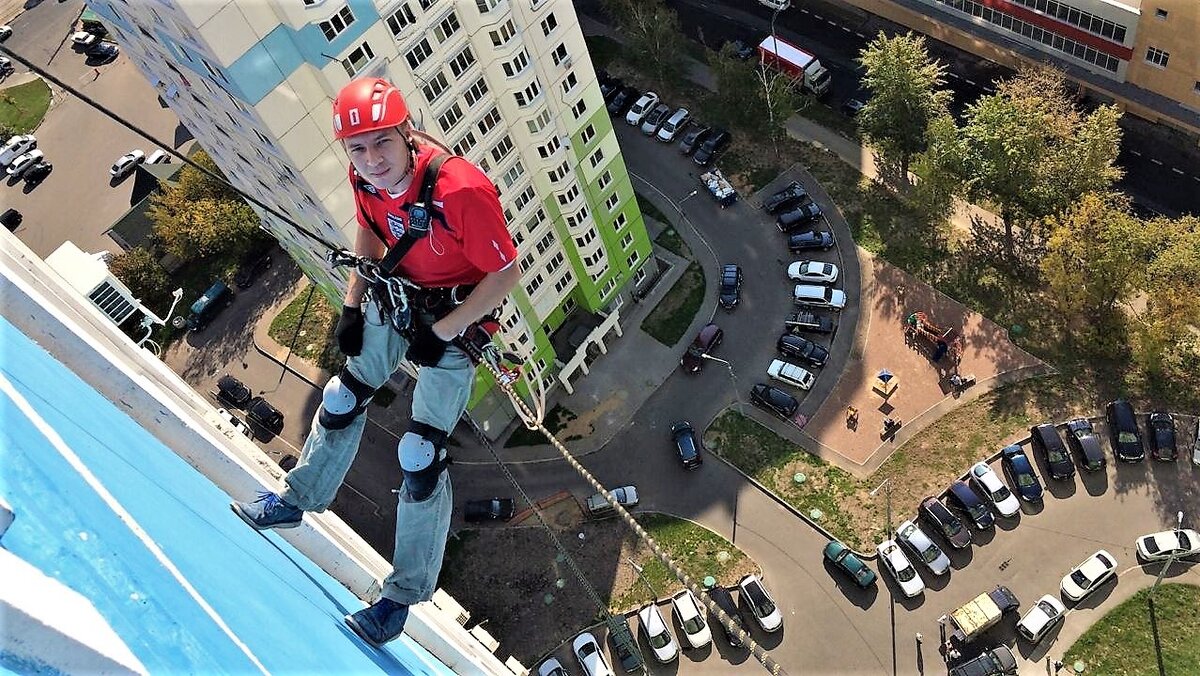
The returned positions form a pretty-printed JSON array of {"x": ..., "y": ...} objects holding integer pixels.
[{"x": 566, "y": 62}]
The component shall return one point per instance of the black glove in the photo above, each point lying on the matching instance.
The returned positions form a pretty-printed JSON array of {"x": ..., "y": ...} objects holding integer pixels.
[
  {"x": 424, "y": 346},
  {"x": 349, "y": 331}
]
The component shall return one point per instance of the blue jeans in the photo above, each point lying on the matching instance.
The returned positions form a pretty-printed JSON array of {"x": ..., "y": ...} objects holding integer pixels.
[{"x": 439, "y": 399}]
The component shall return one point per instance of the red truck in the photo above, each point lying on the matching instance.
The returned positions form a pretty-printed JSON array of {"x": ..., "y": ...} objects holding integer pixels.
[{"x": 801, "y": 65}]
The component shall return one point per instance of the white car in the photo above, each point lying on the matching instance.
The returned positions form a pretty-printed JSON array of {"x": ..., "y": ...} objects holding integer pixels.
[
  {"x": 814, "y": 272},
  {"x": 902, "y": 570},
  {"x": 83, "y": 38},
  {"x": 989, "y": 484},
  {"x": 587, "y": 651},
  {"x": 127, "y": 163},
  {"x": 929, "y": 553},
  {"x": 1088, "y": 575},
  {"x": 639, "y": 110},
  {"x": 1041, "y": 618},
  {"x": 5, "y": 32},
  {"x": 15, "y": 146},
  {"x": 235, "y": 422},
  {"x": 671, "y": 127},
  {"x": 791, "y": 374},
  {"x": 762, "y": 606},
  {"x": 24, "y": 162},
  {"x": 159, "y": 156},
  {"x": 1160, "y": 546},
  {"x": 691, "y": 619},
  {"x": 551, "y": 667},
  {"x": 658, "y": 635}
]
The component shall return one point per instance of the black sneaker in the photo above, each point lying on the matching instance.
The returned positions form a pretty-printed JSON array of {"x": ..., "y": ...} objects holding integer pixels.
[
  {"x": 379, "y": 622},
  {"x": 268, "y": 511}
]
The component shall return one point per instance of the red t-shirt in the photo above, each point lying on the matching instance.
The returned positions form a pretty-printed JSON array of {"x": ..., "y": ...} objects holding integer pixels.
[{"x": 476, "y": 240}]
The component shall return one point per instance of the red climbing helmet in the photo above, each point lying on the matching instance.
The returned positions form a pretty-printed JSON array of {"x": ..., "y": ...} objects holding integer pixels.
[{"x": 367, "y": 104}]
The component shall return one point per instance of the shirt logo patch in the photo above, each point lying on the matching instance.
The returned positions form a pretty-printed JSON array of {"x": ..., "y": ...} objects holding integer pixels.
[
  {"x": 396, "y": 225},
  {"x": 370, "y": 188}
]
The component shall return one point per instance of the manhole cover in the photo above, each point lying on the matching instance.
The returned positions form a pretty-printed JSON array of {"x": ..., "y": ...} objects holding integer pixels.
[
  {"x": 548, "y": 599},
  {"x": 815, "y": 514},
  {"x": 799, "y": 477},
  {"x": 560, "y": 583},
  {"x": 723, "y": 557}
]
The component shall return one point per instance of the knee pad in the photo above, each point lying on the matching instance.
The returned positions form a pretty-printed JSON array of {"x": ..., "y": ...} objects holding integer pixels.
[
  {"x": 422, "y": 452},
  {"x": 343, "y": 399}
]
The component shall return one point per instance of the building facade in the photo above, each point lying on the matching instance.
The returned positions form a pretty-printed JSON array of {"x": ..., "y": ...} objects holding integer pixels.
[{"x": 508, "y": 84}]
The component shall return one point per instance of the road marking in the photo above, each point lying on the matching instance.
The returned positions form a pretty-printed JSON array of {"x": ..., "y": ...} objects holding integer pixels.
[
  {"x": 1177, "y": 171},
  {"x": 953, "y": 75},
  {"x": 817, "y": 16},
  {"x": 805, "y": 11},
  {"x": 1196, "y": 179},
  {"x": 861, "y": 36},
  {"x": 970, "y": 82},
  {"x": 1135, "y": 153},
  {"x": 1156, "y": 161},
  {"x": 831, "y": 22},
  {"x": 847, "y": 29}
]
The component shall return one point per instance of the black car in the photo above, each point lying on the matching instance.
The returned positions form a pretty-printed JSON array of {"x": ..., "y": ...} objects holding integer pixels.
[
  {"x": 774, "y": 400},
  {"x": 724, "y": 600},
  {"x": 232, "y": 391},
  {"x": 707, "y": 340},
  {"x": 994, "y": 662},
  {"x": 693, "y": 138},
  {"x": 610, "y": 88},
  {"x": 790, "y": 345},
  {"x": 812, "y": 239},
  {"x": 493, "y": 509},
  {"x": 741, "y": 51},
  {"x": 1122, "y": 425},
  {"x": 623, "y": 645},
  {"x": 622, "y": 101},
  {"x": 943, "y": 521},
  {"x": 731, "y": 286},
  {"x": 791, "y": 196},
  {"x": 102, "y": 52},
  {"x": 808, "y": 321},
  {"x": 1083, "y": 441},
  {"x": 1020, "y": 471},
  {"x": 38, "y": 172},
  {"x": 800, "y": 216},
  {"x": 718, "y": 139},
  {"x": 11, "y": 218},
  {"x": 262, "y": 415},
  {"x": 967, "y": 503},
  {"x": 250, "y": 268},
  {"x": 1161, "y": 429},
  {"x": 684, "y": 437},
  {"x": 1045, "y": 440},
  {"x": 95, "y": 29},
  {"x": 852, "y": 107}
]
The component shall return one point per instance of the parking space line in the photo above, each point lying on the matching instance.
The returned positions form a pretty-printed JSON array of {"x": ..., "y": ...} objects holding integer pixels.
[
  {"x": 831, "y": 22},
  {"x": 847, "y": 29},
  {"x": 970, "y": 82},
  {"x": 1177, "y": 171},
  {"x": 1156, "y": 161},
  {"x": 861, "y": 36},
  {"x": 1135, "y": 153}
]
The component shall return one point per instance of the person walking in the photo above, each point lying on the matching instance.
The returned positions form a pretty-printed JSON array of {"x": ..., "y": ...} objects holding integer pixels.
[{"x": 440, "y": 217}]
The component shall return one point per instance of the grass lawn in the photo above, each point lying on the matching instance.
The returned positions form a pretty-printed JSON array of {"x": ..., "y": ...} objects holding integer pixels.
[
  {"x": 22, "y": 107},
  {"x": 1122, "y": 642},
  {"x": 313, "y": 339},
  {"x": 671, "y": 318},
  {"x": 670, "y": 240},
  {"x": 648, "y": 209}
]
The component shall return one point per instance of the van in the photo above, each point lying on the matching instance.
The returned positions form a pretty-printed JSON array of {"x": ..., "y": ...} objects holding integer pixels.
[
  {"x": 159, "y": 156},
  {"x": 208, "y": 305},
  {"x": 819, "y": 296}
]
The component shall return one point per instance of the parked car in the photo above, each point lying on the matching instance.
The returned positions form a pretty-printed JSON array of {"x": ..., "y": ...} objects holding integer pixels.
[
  {"x": 989, "y": 485},
  {"x": 551, "y": 667},
  {"x": 902, "y": 570},
  {"x": 762, "y": 606},
  {"x": 655, "y": 119},
  {"x": 684, "y": 436},
  {"x": 941, "y": 519},
  {"x": 808, "y": 321},
  {"x": 1083, "y": 441},
  {"x": 11, "y": 219},
  {"x": 624, "y": 646},
  {"x": 622, "y": 101},
  {"x": 789, "y": 197},
  {"x": 843, "y": 557},
  {"x": 658, "y": 635},
  {"x": 251, "y": 268},
  {"x": 716, "y": 141},
  {"x": 995, "y": 662},
  {"x": 232, "y": 391},
  {"x": 707, "y": 340},
  {"x": 38, "y": 172},
  {"x": 591, "y": 660},
  {"x": 1041, "y": 618},
  {"x": 126, "y": 163},
  {"x": 6, "y": 32},
  {"x": 23, "y": 162},
  {"x": 641, "y": 109},
  {"x": 159, "y": 156},
  {"x": 1122, "y": 425},
  {"x": 674, "y": 124},
  {"x": 597, "y": 504},
  {"x": 731, "y": 286},
  {"x": 1161, "y": 546},
  {"x": 693, "y": 137},
  {"x": 96, "y": 28},
  {"x": 1160, "y": 427},
  {"x": 741, "y": 50},
  {"x": 83, "y": 38},
  {"x": 102, "y": 52},
  {"x": 813, "y": 272},
  {"x": 724, "y": 600},
  {"x": 1045, "y": 440},
  {"x": 609, "y": 89},
  {"x": 787, "y": 372},
  {"x": 212, "y": 301},
  {"x": 690, "y": 619},
  {"x": 819, "y": 296},
  {"x": 798, "y": 217},
  {"x": 235, "y": 422},
  {"x": 492, "y": 509},
  {"x": 774, "y": 400},
  {"x": 1020, "y": 472},
  {"x": 15, "y": 147},
  {"x": 811, "y": 239},
  {"x": 960, "y": 498},
  {"x": 852, "y": 107},
  {"x": 1087, "y": 576},
  {"x": 262, "y": 414},
  {"x": 911, "y": 536},
  {"x": 6, "y": 67},
  {"x": 798, "y": 347}
]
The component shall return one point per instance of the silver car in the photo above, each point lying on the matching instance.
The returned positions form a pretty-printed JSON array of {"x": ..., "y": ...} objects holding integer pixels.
[{"x": 911, "y": 536}]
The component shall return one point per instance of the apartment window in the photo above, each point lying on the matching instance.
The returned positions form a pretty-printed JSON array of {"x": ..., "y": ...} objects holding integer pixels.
[
  {"x": 527, "y": 95},
  {"x": 579, "y": 109},
  {"x": 619, "y": 222},
  {"x": 311, "y": 3},
  {"x": 1157, "y": 57},
  {"x": 503, "y": 148},
  {"x": 539, "y": 123},
  {"x": 534, "y": 284},
  {"x": 563, "y": 283},
  {"x": 503, "y": 35},
  {"x": 214, "y": 72},
  {"x": 1160, "y": 13},
  {"x": 517, "y": 65},
  {"x": 417, "y": 55},
  {"x": 589, "y": 133},
  {"x": 545, "y": 243},
  {"x": 555, "y": 263},
  {"x": 526, "y": 196},
  {"x": 475, "y": 92},
  {"x": 465, "y": 143},
  {"x": 334, "y": 25},
  {"x": 627, "y": 241},
  {"x": 451, "y": 117},
  {"x": 569, "y": 82},
  {"x": 435, "y": 87},
  {"x": 485, "y": 165},
  {"x": 596, "y": 158},
  {"x": 586, "y": 239},
  {"x": 447, "y": 27},
  {"x": 612, "y": 201},
  {"x": 426, "y": 4},
  {"x": 401, "y": 19},
  {"x": 358, "y": 59},
  {"x": 569, "y": 196},
  {"x": 559, "y": 53},
  {"x": 489, "y": 121},
  {"x": 485, "y": 6},
  {"x": 575, "y": 220},
  {"x": 545, "y": 151},
  {"x": 560, "y": 173},
  {"x": 460, "y": 63},
  {"x": 549, "y": 24},
  {"x": 1196, "y": 87},
  {"x": 526, "y": 263},
  {"x": 632, "y": 261},
  {"x": 605, "y": 178}
]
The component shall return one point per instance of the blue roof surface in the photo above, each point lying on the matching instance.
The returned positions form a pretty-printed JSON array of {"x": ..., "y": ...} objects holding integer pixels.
[{"x": 112, "y": 513}]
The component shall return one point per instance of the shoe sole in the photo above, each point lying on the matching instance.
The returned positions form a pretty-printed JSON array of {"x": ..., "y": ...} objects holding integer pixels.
[
  {"x": 358, "y": 631},
  {"x": 250, "y": 522}
]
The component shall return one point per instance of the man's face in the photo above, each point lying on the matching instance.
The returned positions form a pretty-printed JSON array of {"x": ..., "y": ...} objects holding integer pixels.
[{"x": 381, "y": 156}]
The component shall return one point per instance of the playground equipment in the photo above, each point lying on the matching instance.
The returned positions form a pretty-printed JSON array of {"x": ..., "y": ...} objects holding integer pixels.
[{"x": 945, "y": 342}]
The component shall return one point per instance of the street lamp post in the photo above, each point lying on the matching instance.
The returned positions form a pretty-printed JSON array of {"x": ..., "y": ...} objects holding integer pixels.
[
  {"x": 151, "y": 319},
  {"x": 887, "y": 496},
  {"x": 638, "y": 569},
  {"x": 1170, "y": 559},
  {"x": 732, "y": 378}
]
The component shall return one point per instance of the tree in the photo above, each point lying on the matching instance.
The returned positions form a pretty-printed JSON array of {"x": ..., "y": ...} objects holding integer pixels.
[
  {"x": 906, "y": 96},
  {"x": 939, "y": 175},
  {"x": 138, "y": 270},
  {"x": 196, "y": 229},
  {"x": 757, "y": 98},
  {"x": 652, "y": 35}
]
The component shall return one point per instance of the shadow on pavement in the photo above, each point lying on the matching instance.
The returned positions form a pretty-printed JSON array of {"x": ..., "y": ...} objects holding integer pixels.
[
  {"x": 1008, "y": 523},
  {"x": 1095, "y": 483},
  {"x": 959, "y": 558}
]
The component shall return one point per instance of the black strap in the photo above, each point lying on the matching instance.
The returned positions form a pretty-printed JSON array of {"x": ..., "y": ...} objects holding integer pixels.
[{"x": 420, "y": 216}]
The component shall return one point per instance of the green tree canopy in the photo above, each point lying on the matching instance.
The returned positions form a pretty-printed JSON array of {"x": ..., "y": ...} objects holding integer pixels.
[
  {"x": 653, "y": 37},
  {"x": 138, "y": 270},
  {"x": 198, "y": 217}
]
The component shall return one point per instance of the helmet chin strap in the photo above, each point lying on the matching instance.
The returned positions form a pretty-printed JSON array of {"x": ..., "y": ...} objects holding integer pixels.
[{"x": 408, "y": 173}]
